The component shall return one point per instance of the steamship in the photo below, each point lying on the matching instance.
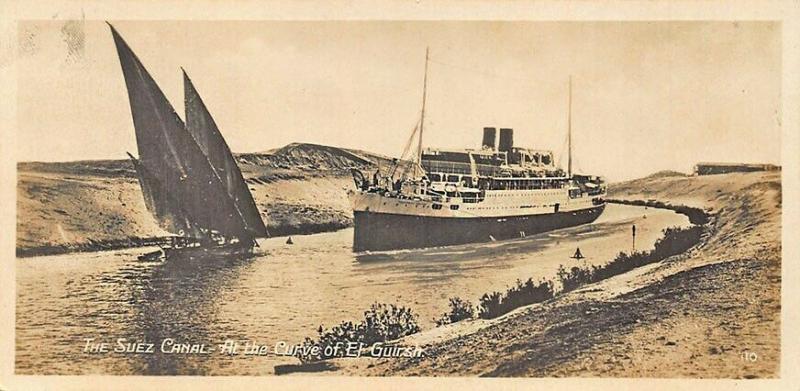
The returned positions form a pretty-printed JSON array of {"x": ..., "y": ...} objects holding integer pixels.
[{"x": 448, "y": 197}]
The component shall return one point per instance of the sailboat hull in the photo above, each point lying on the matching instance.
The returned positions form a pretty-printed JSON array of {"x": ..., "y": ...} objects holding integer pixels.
[{"x": 221, "y": 251}]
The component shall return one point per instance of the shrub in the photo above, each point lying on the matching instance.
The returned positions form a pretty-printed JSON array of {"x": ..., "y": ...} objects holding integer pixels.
[
  {"x": 489, "y": 306},
  {"x": 524, "y": 293},
  {"x": 573, "y": 278},
  {"x": 387, "y": 322},
  {"x": 459, "y": 310},
  {"x": 675, "y": 241},
  {"x": 382, "y": 322}
]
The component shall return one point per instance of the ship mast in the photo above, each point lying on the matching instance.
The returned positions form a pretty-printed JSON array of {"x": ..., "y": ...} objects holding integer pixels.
[
  {"x": 422, "y": 116},
  {"x": 569, "y": 132}
]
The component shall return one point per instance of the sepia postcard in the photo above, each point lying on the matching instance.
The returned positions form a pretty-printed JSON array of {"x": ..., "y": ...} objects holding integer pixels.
[{"x": 399, "y": 194}]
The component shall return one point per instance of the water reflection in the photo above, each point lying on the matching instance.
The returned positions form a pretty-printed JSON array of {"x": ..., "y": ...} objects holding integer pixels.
[{"x": 176, "y": 299}]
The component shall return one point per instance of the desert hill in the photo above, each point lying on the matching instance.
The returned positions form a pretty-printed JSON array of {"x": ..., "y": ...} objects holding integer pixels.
[
  {"x": 310, "y": 157},
  {"x": 292, "y": 157}
]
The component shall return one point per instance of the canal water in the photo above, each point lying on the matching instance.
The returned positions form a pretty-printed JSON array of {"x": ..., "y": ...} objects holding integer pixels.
[{"x": 68, "y": 305}]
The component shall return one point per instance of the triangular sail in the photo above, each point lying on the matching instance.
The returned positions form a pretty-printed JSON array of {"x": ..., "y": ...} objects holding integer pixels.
[
  {"x": 166, "y": 209},
  {"x": 207, "y": 135},
  {"x": 170, "y": 153}
]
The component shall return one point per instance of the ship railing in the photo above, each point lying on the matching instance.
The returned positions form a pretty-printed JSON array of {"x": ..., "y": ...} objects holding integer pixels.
[
  {"x": 521, "y": 183},
  {"x": 438, "y": 196},
  {"x": 447, "y": 197},
  {"x": 459, "y": 168}
]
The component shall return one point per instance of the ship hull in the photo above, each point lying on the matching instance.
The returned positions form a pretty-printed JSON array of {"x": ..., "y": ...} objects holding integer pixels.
[{"x": 385, "y": 231}]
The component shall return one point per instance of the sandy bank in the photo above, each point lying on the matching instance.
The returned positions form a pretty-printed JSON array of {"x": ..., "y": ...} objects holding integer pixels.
[
  {"x": 97, "y": 205},
  {"x": 62, "y": 213},
  {"x": 692, "y": 315}
]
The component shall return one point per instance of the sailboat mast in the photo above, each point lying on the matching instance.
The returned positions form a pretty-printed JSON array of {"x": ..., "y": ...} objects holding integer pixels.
[
  {"x": 422, "y": 116},
  {"x": 569, "y": 132}
]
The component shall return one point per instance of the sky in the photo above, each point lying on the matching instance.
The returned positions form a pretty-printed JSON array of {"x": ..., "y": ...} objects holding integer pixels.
[{"x": 647, "y": 96}]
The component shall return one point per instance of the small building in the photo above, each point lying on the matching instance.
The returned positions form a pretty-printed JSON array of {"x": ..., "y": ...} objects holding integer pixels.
[{"x": 724, "y": 168}]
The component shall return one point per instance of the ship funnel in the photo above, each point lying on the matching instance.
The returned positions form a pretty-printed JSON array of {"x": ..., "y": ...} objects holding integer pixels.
[
  {"x": 506, "y": 140},
  {"x": 489, "y": 141}
]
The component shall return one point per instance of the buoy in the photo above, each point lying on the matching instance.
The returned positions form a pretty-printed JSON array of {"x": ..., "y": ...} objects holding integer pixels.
[
  {"x": 577, "y": 254},
  {"x": 289, "y": 241}
]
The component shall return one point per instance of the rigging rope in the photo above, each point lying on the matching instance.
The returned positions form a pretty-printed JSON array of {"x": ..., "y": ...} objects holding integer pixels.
[{"x": 405, "y": 150}]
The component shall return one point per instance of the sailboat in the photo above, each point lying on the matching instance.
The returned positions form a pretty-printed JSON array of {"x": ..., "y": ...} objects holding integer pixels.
[{"x": 190, "y": 181}]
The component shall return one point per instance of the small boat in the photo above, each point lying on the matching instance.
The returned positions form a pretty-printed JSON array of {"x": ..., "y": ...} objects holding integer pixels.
[
  {"x": 189, "y": 178},
  {"x": 151, "y": 256},
  {"x": 577, "y": 254}
]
